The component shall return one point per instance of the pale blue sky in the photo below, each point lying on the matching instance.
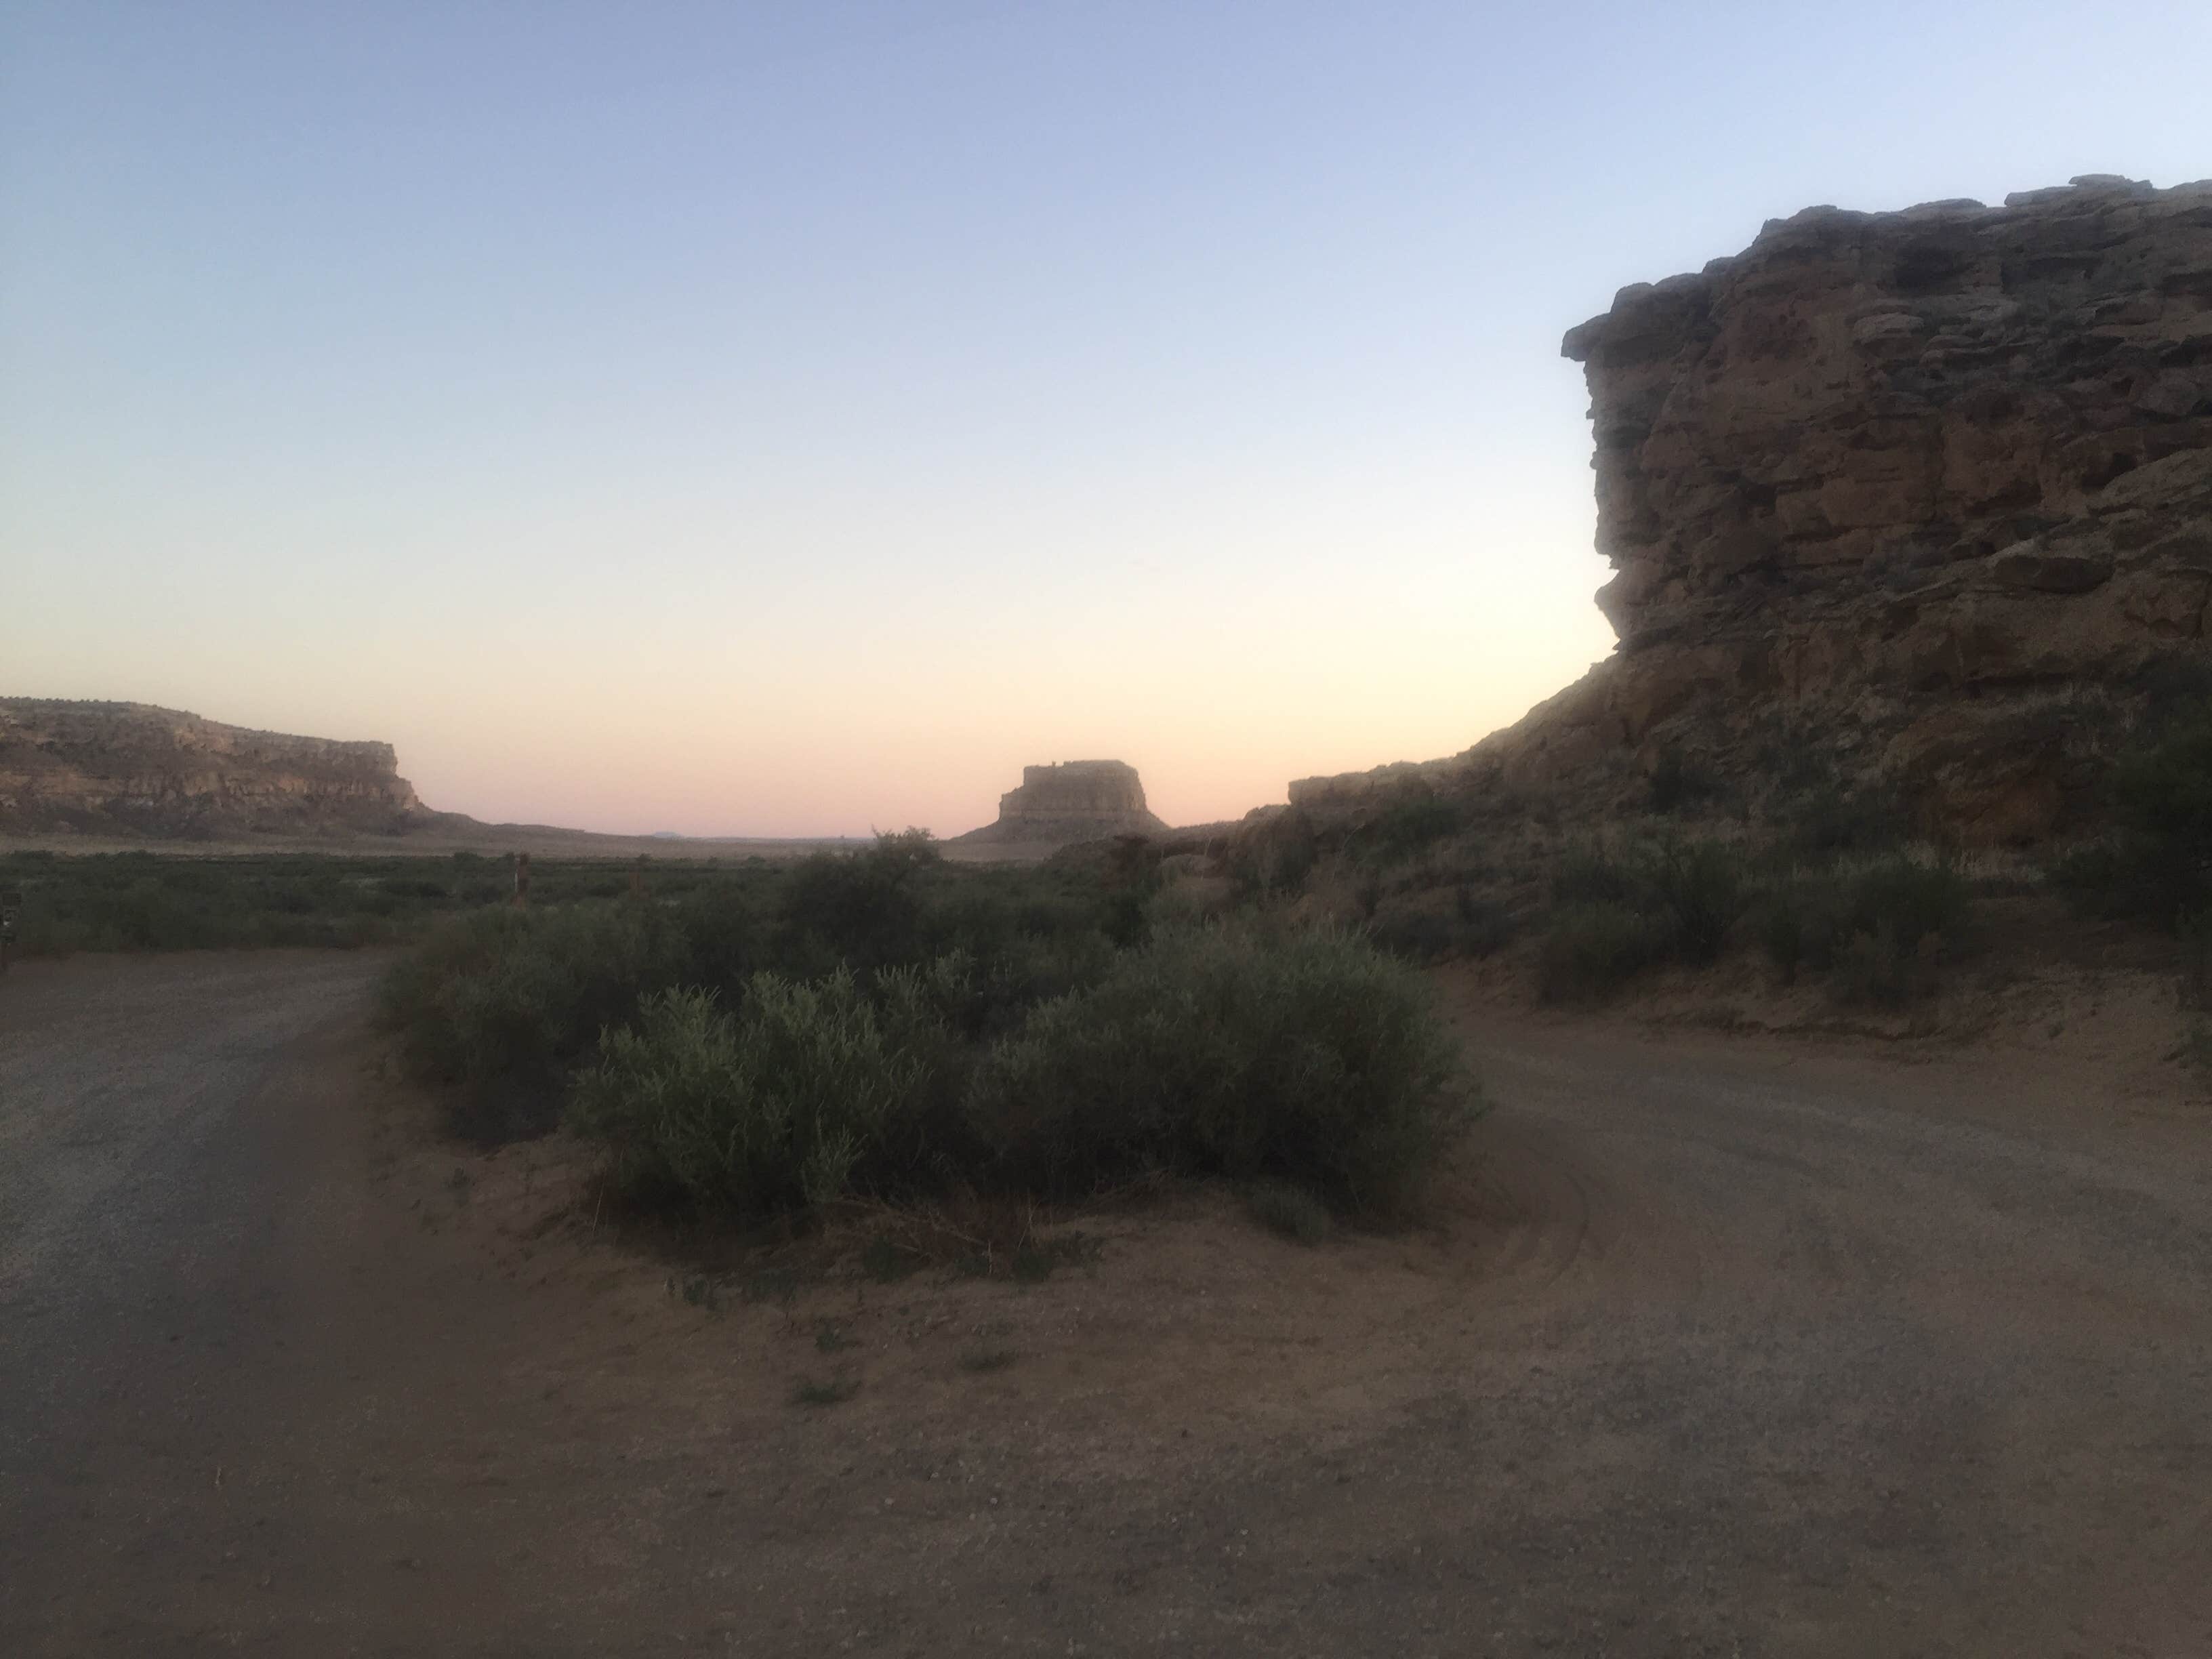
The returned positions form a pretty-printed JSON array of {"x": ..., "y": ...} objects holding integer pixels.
[{"x": 776, "y": 419}]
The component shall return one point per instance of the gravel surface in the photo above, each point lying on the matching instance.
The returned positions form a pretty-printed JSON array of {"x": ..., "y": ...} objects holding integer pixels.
[{"x": 1715, "y": 1347}]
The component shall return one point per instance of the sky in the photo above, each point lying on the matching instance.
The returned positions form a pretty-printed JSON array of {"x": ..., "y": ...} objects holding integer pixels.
[{"x": 794, "y": 419}]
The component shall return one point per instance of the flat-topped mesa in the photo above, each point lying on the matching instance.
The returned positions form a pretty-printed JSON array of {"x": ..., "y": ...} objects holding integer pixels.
[
  {"x": 130, "y": 767},
  {"x": 1072, "y": 801},
  {"x": 1885, "y": 489}
]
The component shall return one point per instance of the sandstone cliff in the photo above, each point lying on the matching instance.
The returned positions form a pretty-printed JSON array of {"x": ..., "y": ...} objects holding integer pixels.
[
  {"x": 128, "y": 768},
  {"x": 1072, "y": 801},
  {"x": 1928, "y": 493}
]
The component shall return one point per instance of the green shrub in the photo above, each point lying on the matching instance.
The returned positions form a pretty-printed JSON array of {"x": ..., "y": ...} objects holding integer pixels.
[
  {"x": 2157, "y": 863},
  {"x": 1289, "y": 1211},
  {"x": 2091, "y": 874},
  {"x": 1873, "y": 966},
  {"x": 1590, "y": 873},
  {"x": 1406, "y": 826},
  {"x": 139, "y": 901},
  {"x": 2162, "y": 791},
  {"x": 1485, "y": 926},
  {"x": 724, "y": 940},
  {"x": 933, "y": 1018},
  {"x": 511, "y": 998},
  {"x": 1593, "y": 947},
  {"x": 1830, "y": 819},
  {"x": 2196, "y": 1051},
  {"x": 1878, "y": 931},
  {"x": 1417, "y": 935},
  {"x": 1697, "y": 889},
  {"x": 786, "y": 1103},
  {"x": 860, "y": 910},
  {"x": 1274, "y": 857},
  {"x": 1678, "y": 782},
  {"x": 1916, "y": 900},
  {"x": 1616, "y": 914},
  {"x": 724, "y": 1045},
  {"x": 1781, "y": 934},
  {"x": 1303, "y": 1056},
  {"x": 1472, "y": 927},
  {"x": 981, "y": 997},
  {"x": 2176, "y": 691},
  {"x": 2195, "y": 930}
]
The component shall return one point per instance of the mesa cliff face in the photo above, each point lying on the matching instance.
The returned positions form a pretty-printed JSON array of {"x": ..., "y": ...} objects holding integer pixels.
[
  {"x": 1072, "y": 801},
  {"x": 128, "y": 768},
  {"x": 1930, "y": 491}
]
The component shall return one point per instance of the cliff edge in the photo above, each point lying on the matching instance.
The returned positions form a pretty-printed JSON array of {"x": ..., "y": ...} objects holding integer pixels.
[
  {"x": 131, "y": 769},
  {"x": 1929, "y": 492}
]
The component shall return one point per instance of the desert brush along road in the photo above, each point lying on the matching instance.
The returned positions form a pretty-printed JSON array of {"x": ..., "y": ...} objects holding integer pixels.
[{"x": 1711, "y": 1346}]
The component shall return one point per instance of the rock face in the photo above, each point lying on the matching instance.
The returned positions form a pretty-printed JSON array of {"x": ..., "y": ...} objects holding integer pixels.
[
  {"x": 1928, "y": 492},
  {"x": 1072, "y": 801},
  {"x": 130, "y": 769}
]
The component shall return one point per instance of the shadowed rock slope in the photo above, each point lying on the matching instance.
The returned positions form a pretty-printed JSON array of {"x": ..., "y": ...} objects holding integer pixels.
[
  {"x": 1927, "y": 494},
  {"x": 131, "y": 769}
]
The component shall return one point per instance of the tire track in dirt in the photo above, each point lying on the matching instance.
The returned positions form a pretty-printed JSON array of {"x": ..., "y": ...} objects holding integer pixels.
[{"x": 1713, "y": 1347}]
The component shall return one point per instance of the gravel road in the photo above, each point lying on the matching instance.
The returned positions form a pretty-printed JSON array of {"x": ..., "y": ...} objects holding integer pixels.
[
  {"x": 148, "y": 1151},
  {"x": 1721, "y": 1347}
]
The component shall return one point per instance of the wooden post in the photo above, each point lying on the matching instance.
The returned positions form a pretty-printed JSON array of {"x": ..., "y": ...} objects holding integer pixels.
[
  {"x": 521, "y": 881},
  {"x": 11, "y": 904}
]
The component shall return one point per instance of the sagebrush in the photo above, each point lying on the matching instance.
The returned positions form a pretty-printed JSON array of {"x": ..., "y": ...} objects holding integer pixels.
[{"x": 1305, "y": 1056}]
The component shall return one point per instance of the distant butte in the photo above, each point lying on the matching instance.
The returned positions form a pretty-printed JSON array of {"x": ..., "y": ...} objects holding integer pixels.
[{"x": 1072, "y": 801}]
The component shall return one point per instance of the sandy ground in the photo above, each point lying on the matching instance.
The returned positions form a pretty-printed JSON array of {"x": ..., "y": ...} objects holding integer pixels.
[{"x": 1714, "y": 1346}]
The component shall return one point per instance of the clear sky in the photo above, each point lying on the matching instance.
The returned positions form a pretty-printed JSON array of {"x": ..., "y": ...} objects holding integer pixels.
[{"x": 776, "y": 419}]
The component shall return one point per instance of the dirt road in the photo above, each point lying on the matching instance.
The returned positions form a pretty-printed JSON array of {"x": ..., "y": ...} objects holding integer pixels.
[{"x": 1716, "y": 1347}]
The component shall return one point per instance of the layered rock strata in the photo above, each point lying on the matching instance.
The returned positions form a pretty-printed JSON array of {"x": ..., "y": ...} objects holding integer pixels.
[
  {"x": 128, "y": 767},
  {"x": 1927, "y": 494},
  {"x": 1072, "y": 801}
]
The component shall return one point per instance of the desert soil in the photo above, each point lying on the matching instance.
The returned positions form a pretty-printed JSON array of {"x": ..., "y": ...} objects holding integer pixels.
[{"x": 1712, "y": 1345}]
